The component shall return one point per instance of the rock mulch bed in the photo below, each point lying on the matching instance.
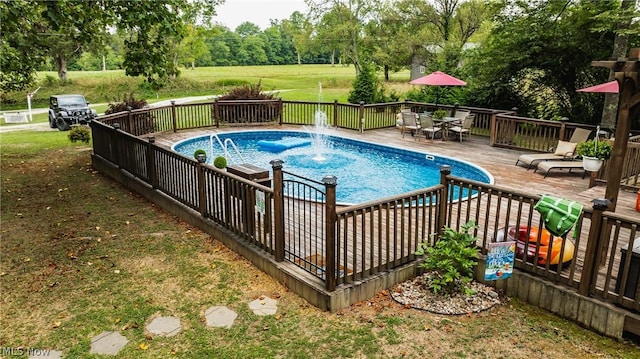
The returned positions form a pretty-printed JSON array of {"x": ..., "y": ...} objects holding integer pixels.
[{"x": 415, "y": 293}]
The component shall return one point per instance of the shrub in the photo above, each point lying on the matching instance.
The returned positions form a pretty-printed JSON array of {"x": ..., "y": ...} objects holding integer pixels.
[
  {"x": 126, "y": 104},
  {"x": 144, "y": 122},
  {"x": 451, "y": 260},
  {"x": 239, "y": 113},
  {"x": 220, "y": 162},
  {"x": 199, "y": 151},
  {"x": 248, "y": 92},
  {"x": 80, "y": 133}
]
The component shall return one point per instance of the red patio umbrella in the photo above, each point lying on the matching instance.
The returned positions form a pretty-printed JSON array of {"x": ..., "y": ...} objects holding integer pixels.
[
  {"x": 438, "y": 78},
  {"x": 608, "y": 87}
]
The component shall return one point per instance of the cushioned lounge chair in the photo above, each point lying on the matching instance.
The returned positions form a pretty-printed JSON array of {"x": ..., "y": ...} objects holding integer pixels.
[
  {"x": 563, "y": 151},
  {"x": 547, "y": 166}
]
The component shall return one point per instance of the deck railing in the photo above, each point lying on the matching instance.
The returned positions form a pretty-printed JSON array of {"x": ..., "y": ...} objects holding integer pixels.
[{"x": 357, "y": 242}]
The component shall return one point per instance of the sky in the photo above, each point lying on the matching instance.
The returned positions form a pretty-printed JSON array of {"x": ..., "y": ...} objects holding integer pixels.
[{"x": 234, "y": 12}]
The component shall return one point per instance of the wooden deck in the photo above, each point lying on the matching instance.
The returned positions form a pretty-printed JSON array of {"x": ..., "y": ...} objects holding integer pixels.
[{"x": 499, "y": 162}]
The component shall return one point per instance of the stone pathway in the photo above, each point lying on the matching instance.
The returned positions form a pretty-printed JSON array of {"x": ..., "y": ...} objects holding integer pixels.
[{"x": 110, "y": 343}]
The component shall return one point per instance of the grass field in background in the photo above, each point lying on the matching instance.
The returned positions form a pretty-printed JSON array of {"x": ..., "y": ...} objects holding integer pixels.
[{"x": 291, "y": 82}]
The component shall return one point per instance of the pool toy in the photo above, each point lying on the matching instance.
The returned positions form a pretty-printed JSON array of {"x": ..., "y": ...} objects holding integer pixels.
[
  {"x": 519, "y": 235},
  {"x": 283, "y": 144}
]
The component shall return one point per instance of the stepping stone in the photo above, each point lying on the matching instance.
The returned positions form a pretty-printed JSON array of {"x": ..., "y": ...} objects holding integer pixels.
[
  {"x": 264, "y": 306},
  {"x": 108, "y": 343},
  {"x": 164, "y": 326},
  {"x": 220, "y": 317},
  {"x": 45, "y": 354}
]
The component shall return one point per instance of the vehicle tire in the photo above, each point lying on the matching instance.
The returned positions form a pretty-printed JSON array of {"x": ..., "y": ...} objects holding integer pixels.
[
  {"x": 52, "y": 122},
  {"x": 62, "y": 124}
]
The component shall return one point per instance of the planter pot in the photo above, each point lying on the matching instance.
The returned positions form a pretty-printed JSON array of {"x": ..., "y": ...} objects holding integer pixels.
[{"x": 591, "y": 163}]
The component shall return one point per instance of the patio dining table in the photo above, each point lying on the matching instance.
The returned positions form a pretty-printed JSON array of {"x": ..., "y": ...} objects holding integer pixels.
[{"x": 445, "y": 123}]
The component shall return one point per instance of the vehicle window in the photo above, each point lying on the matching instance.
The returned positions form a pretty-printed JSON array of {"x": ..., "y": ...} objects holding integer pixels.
[{"x": 71, "y": 101}]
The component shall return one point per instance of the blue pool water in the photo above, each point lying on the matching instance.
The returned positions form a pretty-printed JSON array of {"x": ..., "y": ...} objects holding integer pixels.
[{"x": 365, "y": 171}]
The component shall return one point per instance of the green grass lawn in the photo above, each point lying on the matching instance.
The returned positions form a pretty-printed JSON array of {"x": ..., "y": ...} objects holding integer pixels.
[{"x": 80, "y": 254}]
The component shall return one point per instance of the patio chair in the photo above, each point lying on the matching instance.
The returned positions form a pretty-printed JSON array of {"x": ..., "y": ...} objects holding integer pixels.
[
  {"x": 427, "y": 126},
  {"x": 465, "y": 128},
  {"x": 399, "y": 117},
  {"x": 563, "y": 151},
  {"x": 462, "y": 114},
  {"x": 410, "y": 123}
]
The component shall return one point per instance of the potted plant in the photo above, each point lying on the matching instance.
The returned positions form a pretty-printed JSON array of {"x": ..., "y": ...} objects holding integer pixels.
[
  {"x": 440, "y": 114},
  {"x": 593, "y": 153}
]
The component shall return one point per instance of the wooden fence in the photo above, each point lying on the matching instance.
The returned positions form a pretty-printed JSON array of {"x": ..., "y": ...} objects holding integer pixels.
[{"x": 301, "y": 223}]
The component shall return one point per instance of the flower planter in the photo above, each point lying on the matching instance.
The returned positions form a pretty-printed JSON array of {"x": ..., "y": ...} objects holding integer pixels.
[{"x": 591, "y": 163}]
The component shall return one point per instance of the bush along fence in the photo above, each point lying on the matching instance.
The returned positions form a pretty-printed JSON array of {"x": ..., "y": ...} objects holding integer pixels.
[{"x": 290, "y": 219}]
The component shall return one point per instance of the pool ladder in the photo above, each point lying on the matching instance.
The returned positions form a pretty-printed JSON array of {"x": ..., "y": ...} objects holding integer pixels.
[{"x": 225, "y": 148}]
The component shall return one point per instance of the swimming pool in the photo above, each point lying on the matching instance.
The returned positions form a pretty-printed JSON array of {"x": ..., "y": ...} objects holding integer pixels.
[{"x": 365, "y": 171}]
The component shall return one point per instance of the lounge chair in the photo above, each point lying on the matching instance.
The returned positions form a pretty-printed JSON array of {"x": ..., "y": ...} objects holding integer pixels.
[
  {"x": 563, "y": 151},
  {"x": 547, "y": 166},
  {"x": 427, "y": 126}
]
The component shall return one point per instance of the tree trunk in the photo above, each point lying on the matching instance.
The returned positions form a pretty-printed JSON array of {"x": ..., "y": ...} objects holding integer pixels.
[
  {"x": 193, "y": 64},
  {"x": 386, "y": 73},
  {"x": 104, "y": 63},
  {"x": 333, "y": 57},
  {"x": 620, "y": 47},
  {"x": 299, "y": 58},
  {"x": 61, "y": 66}
]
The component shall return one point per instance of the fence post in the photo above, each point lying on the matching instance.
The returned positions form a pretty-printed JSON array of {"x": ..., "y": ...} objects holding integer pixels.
[
  {"x": 445, "y": 170},
  {"x": 361, "y": 116},
  {"x": 493, "y": 128},
  {"x": 280, "y": 110},
  {"x": 563, "y": 128},
  {"x": 216, "y": 113},
  {"x": 202, "y": 159},
  {"x": 330, "y": 184},
  {"x": 592, "y": 252},
  {"x": 278, "y": 209},
  {"x": 174, "y": 116},
  {"x": 335, "y": 113},
  {"x": 116, "y": 144},
  {"x": 151, "y": 162}
]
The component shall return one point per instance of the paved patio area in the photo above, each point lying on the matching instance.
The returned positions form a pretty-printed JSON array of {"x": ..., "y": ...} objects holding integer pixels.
[{"x": 499, "y": 162}]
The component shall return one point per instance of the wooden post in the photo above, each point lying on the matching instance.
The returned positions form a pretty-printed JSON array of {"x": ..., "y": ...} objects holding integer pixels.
[
  {"x": 494, "y": 130},
  {"x": 202, "y": 159},
  {"x": 445, "y": 170},
  {"x": 151, "y": 162},
  {"x": 116, "y": 144},
  {"x": 174, "y": 116},
  {"x": 331, "y": 261},
  {"x": 335, "y": 113},
  {"x": 361, "y": 116},
  {"x": 627, "y": 74},
  {"x": 278, "y": 210},
  {"x": 280, "y": 111},
  {"x": 591, "y": 265},
  {"x": 563, "y": 129},
  {"x": 216, "y": 113}
]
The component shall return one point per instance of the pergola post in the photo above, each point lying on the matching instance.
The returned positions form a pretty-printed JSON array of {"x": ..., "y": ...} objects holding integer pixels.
[{"x": 626, "y": 73}]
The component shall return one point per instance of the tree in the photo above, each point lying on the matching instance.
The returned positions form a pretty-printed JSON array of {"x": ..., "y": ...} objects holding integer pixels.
[
  {"x": 151, "y": 28},
  {"x": 21, "y": 43},
  {"x": 299, "y": 29},
  {"x": 523, "y": 64},
  {"x": 346, "y": 22},
  {"x": 366, "y": 87}
]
